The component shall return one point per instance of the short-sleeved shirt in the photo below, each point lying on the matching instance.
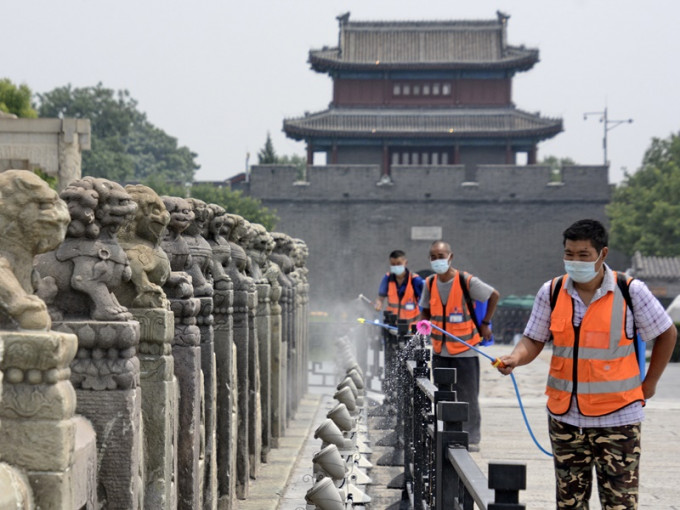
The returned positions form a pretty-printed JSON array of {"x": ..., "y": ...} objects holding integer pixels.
[
  {"x": 650, "y": 319},
  {"x": 417, "y": 285},
  {"x": 479, "y": 291}
]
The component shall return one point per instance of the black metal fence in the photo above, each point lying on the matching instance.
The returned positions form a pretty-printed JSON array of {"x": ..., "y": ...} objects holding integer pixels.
[{"x": 439, "y": 472}]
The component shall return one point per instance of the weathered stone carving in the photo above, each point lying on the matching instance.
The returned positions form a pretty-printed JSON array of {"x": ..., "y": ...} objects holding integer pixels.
[
  {"x": 178, "y": 288},
  {"x": 201, "y": 254},
  {"x": 80, "y": 275},
  {"x": 33, "y": 220},
  {"x": 186, "y": 352},
  {"x": 39, "y": 428},
  {"x": 141, "y": 240}
]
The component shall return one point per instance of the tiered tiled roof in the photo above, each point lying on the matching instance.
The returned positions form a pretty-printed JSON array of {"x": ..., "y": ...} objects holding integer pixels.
[
  {"x": 423, "y": 45},
  {"x": 430, "y": 123},
  {"x": 646, "y": 267}
]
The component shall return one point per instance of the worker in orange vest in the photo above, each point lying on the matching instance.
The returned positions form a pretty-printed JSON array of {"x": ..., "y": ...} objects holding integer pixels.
[
  {"x": 448, "y": 302},
  {"x": 401, "y": 288},
  {"x": 595, "y": 390}
]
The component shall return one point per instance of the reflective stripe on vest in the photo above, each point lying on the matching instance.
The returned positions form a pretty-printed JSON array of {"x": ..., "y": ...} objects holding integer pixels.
[
  {"x": 606, "y": 376},
  {"x": 406, "y": 307},
  {"x": 455, "y": 318}
]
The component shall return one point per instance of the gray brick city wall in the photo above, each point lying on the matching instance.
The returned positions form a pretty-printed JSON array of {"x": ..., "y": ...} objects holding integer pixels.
[{"x": 505, "y": 226}]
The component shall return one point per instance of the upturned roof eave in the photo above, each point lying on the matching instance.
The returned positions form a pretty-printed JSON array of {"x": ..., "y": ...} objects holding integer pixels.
[
  {"x": 298, "y": 132},
  {"x": 519, "y": 63}
]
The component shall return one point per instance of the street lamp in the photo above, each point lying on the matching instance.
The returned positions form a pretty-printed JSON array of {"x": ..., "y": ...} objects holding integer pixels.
[{"x": 608, "y": 126}]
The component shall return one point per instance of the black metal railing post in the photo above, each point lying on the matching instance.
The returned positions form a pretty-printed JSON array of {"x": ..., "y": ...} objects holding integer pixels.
[
  {"x": 450, "y": 417},
  {"x": 507, "y": 480}
]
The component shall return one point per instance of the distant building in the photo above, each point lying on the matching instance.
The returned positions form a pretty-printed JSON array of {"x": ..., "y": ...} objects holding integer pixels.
[
  {"x": 422, "y": 93},
  {"x": 661, "y": 274},
  {"x": 421, "y": 142}
]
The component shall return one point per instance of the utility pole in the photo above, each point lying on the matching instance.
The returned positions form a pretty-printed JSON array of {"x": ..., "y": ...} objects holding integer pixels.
[{"x": 608, "y": 126}]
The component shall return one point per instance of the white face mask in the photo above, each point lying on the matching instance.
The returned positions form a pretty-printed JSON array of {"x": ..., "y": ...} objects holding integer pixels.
[
  {"x": 580, "y": 271},
  {"x": 397, "y": 270},
  {"x": 440, "y": 266}
]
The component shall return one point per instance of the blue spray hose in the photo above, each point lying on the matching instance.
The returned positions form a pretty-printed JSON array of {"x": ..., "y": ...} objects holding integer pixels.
[{"x": 425, "y": 327}]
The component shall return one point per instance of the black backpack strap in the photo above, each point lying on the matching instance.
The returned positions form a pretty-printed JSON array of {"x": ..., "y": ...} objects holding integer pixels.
[
  {"x": 465, "y": 277},
  {"x": 624, "y": 284},
  {"x": 555, "y": 287}
]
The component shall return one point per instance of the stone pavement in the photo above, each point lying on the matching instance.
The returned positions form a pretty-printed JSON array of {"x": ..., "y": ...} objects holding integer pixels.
[{"x": 287, "y": 476}]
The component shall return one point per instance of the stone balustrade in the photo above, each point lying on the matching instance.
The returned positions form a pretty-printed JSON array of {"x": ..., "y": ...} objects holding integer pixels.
[{"x": 153, "y": 354}]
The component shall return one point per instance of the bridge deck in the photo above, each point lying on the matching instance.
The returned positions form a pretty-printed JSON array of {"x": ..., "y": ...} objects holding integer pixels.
[{"x": 504, "y": 438}]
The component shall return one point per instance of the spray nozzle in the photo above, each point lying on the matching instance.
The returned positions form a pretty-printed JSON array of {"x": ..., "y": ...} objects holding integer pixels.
[{"x": 424, "y": 327}]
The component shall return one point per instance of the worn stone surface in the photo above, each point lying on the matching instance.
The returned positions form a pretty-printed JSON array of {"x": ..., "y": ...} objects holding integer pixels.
[
  {"x": 79, "y": 277},
  {"x": 116, "y": 418},
  {"x": 226, "y": 417},
  {"x": 255, "y": 409},
  {"x": 186, "y": 352},
  {"x": 15, "y": 492},
  {"x": 200, "y": 272},
  {"x": 53, "y": 145},
  {"x": 141, "y": 238},
  {"x": 159, "y": 406},
  {"x": 33, "y": 220}
]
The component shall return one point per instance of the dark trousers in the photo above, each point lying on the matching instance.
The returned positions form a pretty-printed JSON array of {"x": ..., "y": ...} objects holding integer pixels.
[{"x": 467, "y": 390}]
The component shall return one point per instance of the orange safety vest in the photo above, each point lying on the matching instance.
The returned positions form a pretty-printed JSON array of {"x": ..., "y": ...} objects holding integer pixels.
[
  {"x": 406, "y": 307},
  {"x": 454, "y": 318},
  {"x": 595, "y": 362}
]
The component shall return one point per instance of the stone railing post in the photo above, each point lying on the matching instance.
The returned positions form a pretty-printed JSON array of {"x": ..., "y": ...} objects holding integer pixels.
[
  {"x": 160, "y": 395},
  {"x": 240, "y": 336},
  {"x": 39, "y": 426},
  {"x": 227, "y": 411},
  {"x": 255, "y": 407},
  {"x": 263, "y": 328},
  {"x": 187, "y": 355}
]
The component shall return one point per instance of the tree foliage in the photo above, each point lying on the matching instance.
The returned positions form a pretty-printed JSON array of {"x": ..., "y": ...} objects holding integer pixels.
[
  {"x": 16, "y": 99},
  {"x": 267, "y": 156},
  {"x": 556, "y": 164},
  {"x": 125, "y": 145},
  {"x": 233, "y": 201},
  {"x": 645, "y": 210}
]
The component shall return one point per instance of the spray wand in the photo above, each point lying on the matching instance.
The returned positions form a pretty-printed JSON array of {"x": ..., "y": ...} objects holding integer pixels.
[
  {"x": 425, "y": 328},
  {"x": 376, "y": 323}
]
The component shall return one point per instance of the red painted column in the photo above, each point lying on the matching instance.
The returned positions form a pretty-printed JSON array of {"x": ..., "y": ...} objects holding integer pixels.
[
  {"x": 509, "y": 160},
  {"x": 531, "y": 157},
  {"x": 334, "y": 154},
  {"x": 456, "y": 154},
  {"x": 310, "y": 153},
  {"x": 385, "y": 160}
]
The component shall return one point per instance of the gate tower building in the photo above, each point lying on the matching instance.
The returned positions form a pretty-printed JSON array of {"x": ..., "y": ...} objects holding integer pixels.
[{"x": 422, "y": 93}]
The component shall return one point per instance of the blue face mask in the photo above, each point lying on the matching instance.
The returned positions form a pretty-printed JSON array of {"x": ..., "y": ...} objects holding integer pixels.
[
  {"x": 580, "y": 271},
  {"x": 440, "y": 266},
  {"x": 397, "y": 270}
]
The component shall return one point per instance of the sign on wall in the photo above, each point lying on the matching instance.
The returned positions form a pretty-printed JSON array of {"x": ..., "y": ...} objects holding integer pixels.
[{"x": 426, "y": 233}]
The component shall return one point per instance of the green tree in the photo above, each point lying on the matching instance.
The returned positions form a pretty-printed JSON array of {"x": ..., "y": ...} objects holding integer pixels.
[
  {"x": 125, "y": 145},
  {"x": 645, "y": 211},
  {"x": 267, "y": 154},
  {"x": 233, "y": 201},
  {"x": 556, "y": 164},
  {"x": 16, "y": 99}
]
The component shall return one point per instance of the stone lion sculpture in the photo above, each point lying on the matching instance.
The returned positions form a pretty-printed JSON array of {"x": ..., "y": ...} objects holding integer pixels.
[
  {"x": 80, "y": 275},
  {"x": 33, "y": 220},
  {"x": 141, "y": 240}
]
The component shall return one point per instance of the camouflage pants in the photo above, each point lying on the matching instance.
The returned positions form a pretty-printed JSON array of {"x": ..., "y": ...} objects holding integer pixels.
[{"x": 614, "y": 452}]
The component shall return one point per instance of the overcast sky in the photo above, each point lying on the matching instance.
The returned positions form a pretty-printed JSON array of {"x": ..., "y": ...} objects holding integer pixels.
[{"x": 218, "y": 75}]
